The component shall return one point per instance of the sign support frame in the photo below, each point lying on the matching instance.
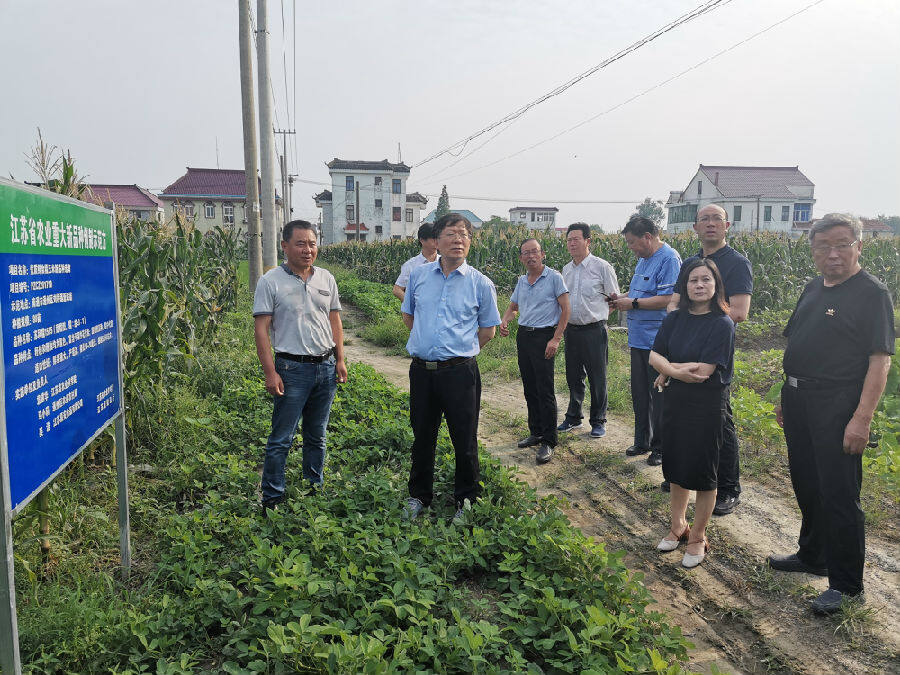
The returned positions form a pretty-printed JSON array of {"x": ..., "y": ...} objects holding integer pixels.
[{"x": 10, "y": 657}]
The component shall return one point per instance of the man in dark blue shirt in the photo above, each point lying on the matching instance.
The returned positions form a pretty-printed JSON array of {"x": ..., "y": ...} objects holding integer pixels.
[{"x": 737, "y": 276}]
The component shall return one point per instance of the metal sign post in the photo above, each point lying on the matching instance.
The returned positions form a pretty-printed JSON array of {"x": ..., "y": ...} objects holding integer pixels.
[{"x": 60, "y": 360}]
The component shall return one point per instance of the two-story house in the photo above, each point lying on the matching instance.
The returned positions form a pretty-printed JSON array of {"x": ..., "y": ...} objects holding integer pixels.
[
  {"x": 771, "y": 198},
  {"x": 211, "y": 197},
  {"x": 133, "y": 199},
  {"x": 534, "y": 217},
  {"x": 368, "y": 202}
]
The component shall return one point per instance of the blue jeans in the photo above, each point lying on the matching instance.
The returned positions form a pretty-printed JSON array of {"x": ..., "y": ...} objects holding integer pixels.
[{"x": 309, "y": 390}]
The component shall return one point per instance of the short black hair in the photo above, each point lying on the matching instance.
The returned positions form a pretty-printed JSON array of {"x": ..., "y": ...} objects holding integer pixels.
[
  {"x": 288, "y": 230},
  {"x": 718, "y": 304},
  {"x": 449, "y": 219},
  {"x": 425, "y": 232},
  {"x": 584, "y": 228},
  {"x": 639, "y": 226},
  {"x": 525, "y": 241}
]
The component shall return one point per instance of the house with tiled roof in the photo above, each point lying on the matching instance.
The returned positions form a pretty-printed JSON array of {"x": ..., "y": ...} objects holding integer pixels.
[
  {"x": 138, "y": 202},
  {"x": 368, "y": 202},
  {"x": 211, "y": 197},
  {"x": 534, "y": 217},
  {"x": 465, "y": 213},
  {"x": 756, "y": 198}
]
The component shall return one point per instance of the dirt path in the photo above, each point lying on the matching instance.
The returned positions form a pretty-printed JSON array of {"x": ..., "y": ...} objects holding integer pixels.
[{"x": 739, "y": 614}]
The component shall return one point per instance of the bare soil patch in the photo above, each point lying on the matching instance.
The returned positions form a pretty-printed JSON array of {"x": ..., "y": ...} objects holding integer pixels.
[{"x": 741, "y": 616}]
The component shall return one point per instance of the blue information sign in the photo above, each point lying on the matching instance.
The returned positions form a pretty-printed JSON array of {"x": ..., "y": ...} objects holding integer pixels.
[{"x": 60, "y": 333}]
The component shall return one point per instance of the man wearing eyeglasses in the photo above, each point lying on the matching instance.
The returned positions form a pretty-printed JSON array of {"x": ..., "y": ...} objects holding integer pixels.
[
  {"x": 836, "y": 363},
  {"x": 541, "y": 300},
  {"x": 711, "y": 227},
  {"x": 451, "y": 311}
]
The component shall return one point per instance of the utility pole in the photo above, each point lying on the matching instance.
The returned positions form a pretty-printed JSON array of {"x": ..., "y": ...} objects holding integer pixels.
[
  {"x": 251, "y": 160},
  {"x": 266, "y": 139},
  {"x": 285, "y": 178}
]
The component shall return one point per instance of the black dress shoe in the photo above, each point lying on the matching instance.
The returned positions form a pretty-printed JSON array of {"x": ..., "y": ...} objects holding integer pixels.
[
  {"x": 529, "y": 442},
  {"x": 725, "y": 504},
  {"x": 831, "y": 600},
  {"x": 665, "y": 486},
  {"x": 544, "y": 453},
  {"x": 634, "y": 450},
  {"x": 791, "y": 563},
  {"x": 655, "y": 458}
]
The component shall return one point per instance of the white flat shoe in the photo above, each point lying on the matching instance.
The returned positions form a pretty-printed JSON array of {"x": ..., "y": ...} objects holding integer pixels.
[
  {"x": 667, "y": 544},
  {"x": 691, "y": 560}
]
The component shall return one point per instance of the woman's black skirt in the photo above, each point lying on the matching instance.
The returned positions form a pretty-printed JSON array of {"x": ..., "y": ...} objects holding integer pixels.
[{"x": 693, "y": 415}]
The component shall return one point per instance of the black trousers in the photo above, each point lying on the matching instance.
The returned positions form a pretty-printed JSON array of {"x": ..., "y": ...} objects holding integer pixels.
[
  {"x": 826, "y": 481},
  {"x": 587, "y": 353},
  {"x": 454, "y": 392},
  {"x": 646, "y": 401},
  {"x": 729, "y": 463},
  {"x": 537, "y": 381}
]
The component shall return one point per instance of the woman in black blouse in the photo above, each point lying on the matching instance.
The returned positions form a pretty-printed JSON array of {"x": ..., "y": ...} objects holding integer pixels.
[{"x": 694, "y": 354}]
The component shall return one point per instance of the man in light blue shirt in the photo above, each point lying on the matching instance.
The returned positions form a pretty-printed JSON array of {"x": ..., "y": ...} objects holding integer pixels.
[
  {"x": 428, "y": 254},
  {"x": 542, "y": 301},
  {"x": 451, "y": 311},
  {"x": 649, "y": 293}
]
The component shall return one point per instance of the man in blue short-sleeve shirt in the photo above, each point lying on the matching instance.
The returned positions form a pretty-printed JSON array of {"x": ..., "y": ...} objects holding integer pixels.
[
  {"x": 648, "y": 296},
  {"x": 451, "y": 311},
  {"x": 541, "y": 300},
  {"x": 737, "y": 277}
]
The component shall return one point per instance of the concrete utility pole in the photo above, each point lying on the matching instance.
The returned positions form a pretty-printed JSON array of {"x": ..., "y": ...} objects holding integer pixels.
[
  {"x": 251, "y": 160},
  {"x": 285, "y": 177},
  {"x": 266, "y": 140}
]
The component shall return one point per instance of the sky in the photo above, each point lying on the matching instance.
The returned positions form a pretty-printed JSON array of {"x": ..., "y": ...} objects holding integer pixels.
[{"x": 137, "y": 91}]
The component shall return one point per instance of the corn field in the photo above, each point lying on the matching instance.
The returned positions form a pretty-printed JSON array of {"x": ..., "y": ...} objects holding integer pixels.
[{"x": 781, "y": 266}]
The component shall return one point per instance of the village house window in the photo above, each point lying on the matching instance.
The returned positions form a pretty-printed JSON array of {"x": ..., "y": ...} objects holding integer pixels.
[
  {"x": 395, "y": 187},
  {"x": 395, "y": 214},
  {"x": 699, "y": 187},
  {"x": 785, "y": 213},
  {"x": 378, "y": 229},
  {"x": 802, "y": 213},
  {"x": 349, "y": 183},
  {"x": 209, "y": 210},
  {"x": 767, "y": 214},
  {"x": 187, "y": 208},
  {"x": 408, "y": 215},
  {"x": 377, "y": 203},
  {"x": 378, "y": 181},
  {"x": 737, "y": 214},
  {"x": 228, "y": 213},
  {"x": 396, "y": 237},
  {"x": 351, "y": 214}
]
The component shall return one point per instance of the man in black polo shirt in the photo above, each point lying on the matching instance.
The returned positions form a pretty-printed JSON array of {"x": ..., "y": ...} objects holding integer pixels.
[
  {"x": 840, "y": 338},
  {"x": 711, "y": 227}
]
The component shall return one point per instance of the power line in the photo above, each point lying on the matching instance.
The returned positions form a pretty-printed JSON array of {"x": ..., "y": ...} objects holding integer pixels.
[
  {"x": 698, "y": 11},
  {"x": 622, "y": 103}
]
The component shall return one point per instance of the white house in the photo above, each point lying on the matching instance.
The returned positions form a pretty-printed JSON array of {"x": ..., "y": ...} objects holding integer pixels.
[
  {"x": 368, "y": 202},
  {"x": 771, "y": 198},
  {"x": 534, "y": 217}
]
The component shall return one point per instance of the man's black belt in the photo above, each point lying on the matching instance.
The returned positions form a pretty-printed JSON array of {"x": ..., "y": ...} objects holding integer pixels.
[
  {"x": 810, "y": 383},
  {"x": 531, "y": 329},
  {"x": 595, "y": 324},
  {"x": 435, "y": 365},
  {"x": 304, "y": 358}
]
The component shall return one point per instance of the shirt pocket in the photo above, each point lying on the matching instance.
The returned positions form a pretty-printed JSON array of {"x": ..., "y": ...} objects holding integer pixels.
[
  {"x": 643, "y": 286},
  {"x": 462, "y": 306}
]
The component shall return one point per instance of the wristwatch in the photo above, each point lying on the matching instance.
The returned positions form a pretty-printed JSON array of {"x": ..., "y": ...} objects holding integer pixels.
[{"x": 634, "y": 304}]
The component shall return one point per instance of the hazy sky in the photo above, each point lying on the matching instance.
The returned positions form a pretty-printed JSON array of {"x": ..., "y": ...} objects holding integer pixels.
[{"x": 140, "y": 90}]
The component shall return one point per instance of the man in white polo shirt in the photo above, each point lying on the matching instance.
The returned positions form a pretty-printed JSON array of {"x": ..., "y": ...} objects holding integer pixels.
[
  {"x": 590, "y": 280},
  {"x": 299, "y": 305},
  {"x": 429, "y": 254}
]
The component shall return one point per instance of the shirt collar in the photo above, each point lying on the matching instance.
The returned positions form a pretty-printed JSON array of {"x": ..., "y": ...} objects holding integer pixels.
[
  {"x": 462, "y": 269},
  {"x": 287, "y": 269},
  {"x": 584, "y": 260},
  {"x": 544, "y": 272},
  {"x": 714, "y": 255}
]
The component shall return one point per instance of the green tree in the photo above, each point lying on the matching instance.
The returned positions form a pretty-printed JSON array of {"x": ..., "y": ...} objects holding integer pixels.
[
  {"x": 651, "y": 209},
  {"x": 443, "y": 207}
]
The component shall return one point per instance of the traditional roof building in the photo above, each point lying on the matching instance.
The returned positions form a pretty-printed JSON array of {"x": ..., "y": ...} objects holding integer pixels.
[
  {"x": 135, "y": 200},
  {"x": 773, "y": 198}
]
